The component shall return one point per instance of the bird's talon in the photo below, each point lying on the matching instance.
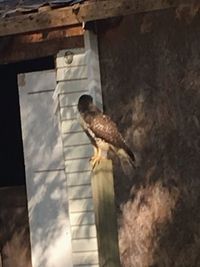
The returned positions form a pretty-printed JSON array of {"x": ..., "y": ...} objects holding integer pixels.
[
  {"x": 92, "y": 159},
  {"x": 95, "y": 161}
]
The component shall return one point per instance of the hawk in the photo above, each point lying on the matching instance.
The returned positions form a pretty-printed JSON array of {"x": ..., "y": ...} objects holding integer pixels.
[{"x": 102, "y": 132}]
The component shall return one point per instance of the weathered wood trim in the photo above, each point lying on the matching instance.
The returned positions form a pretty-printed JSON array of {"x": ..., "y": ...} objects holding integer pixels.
[
  {"x": 49, "y": 35},
  {"x": 82, "y": 13},
  {"x": 105, "y": 214},
  {"x": 41, "y": 44}
]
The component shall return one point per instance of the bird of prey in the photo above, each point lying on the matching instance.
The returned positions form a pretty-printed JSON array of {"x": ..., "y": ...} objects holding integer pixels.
[{"x": 102, "y": 132}]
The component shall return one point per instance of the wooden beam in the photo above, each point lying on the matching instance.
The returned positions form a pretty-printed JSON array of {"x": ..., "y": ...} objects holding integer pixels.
[
  {"x": 49, "y": 35},
  {"x": 79, "y": 13},
  {"x": 42, "y": 44},
  {"x": 105, "y": 215}
]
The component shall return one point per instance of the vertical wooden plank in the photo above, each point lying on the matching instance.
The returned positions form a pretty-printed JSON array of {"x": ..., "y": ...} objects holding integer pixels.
[
  {"x": 105, "y": 215},
  {"x": 46, "y": 180},
  {"x": 77, "y": 151}
]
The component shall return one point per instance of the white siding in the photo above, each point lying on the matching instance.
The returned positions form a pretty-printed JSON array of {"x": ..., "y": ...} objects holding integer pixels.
[
  {"x": 71, "y": 73},
  {"x": 85, "y": 258},
  {"x": 77, "y": 166},
  {"x": 61, "y": 212},
  {"x": 80, "y": 192},
  {"x": 79, "y": 58},
  {"x": 75, "y": 139},
  {"x": 84, "y": 245},
  {"x": 67, "y": 100},
  {"x": 83, "y": 231},
  {"x": 78, "y": 152},
  {"x": 79, "y": 205},
  {"x": 70, "y": 126},
  {"x": 79, "y": 178},
  {"x": 82, "y": 218},
  {"x": 72, "y": 86},
  {"x": 68, "y": 113},
  {"x": 73, "y": 81}
]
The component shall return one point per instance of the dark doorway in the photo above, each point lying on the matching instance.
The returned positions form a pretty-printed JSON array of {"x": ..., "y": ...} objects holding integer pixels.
[
  {"x": 14, "y": 225},
  {"x": 11, "y": 153}
]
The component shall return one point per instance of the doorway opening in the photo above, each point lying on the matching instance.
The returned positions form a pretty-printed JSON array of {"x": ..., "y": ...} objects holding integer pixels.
[
  {"x": 14, "y": 222},
  {"x": 11, "y": 153}
]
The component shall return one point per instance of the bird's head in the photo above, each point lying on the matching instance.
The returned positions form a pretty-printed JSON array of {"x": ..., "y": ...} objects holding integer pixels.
[{"x": 85, "y": 103}]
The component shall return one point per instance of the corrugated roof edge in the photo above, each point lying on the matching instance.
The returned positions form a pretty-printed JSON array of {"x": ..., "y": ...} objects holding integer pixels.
[{"x": 12, "y": 8}]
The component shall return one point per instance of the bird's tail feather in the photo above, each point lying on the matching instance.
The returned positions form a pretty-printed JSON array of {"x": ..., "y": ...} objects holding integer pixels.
[
  {"x": 131, "y": 155},
  {"x": 127, "y": 156},
  {"x": 126, "y": 162}
]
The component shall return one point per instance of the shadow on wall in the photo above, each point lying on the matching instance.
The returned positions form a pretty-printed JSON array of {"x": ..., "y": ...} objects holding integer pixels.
[
  {"x": 48, "y": 209},
  {"x": 14, "y": 228},
  {"x": 48, "y": 190},
  {"x": 45, "y": 171},
  {"x": 155, "y": 82}
]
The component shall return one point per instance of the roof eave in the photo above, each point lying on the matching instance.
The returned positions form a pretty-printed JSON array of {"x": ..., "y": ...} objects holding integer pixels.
[{"x": 82, "y": 13}]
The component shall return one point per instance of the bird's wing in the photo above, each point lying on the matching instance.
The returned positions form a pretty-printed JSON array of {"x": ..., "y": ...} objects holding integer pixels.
[
  {"x": 103, "y": 127},
  {"x": 87, "y": 130}
]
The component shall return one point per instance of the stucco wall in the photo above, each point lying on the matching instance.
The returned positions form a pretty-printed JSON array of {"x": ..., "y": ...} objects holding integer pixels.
[{"x": 150, "y": 66}]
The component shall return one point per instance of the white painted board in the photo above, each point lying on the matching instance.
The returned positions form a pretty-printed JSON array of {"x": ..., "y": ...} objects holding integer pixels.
[
  {"x": 83, "y": 231},
  {"x": 41, "y": 137},
  {"x": 85, "y": 258},
  {"x": 77, "y": 56},
  {"x": 79, "y": 178},
  {"x": 82, "y": 218},
  {"x": 73, "y": 73},
  {"x": 80, "y": 76},
  {"x": 45, "y": 177},
  {"x": 80, "y": 205},
  {"x": 72, "y": 86}
]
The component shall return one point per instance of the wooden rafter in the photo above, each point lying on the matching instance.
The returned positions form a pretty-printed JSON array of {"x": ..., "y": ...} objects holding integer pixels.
[
  {"x": 39, "y": 44},
  {"x": 80, "y": 13}
]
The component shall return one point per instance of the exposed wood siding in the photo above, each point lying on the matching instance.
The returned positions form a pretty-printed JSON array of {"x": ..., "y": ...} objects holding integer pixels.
[{"x": 72, "y": 83}]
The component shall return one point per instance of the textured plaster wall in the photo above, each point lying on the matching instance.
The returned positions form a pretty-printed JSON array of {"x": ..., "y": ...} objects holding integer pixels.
[{"x": 150, "y": 71}]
